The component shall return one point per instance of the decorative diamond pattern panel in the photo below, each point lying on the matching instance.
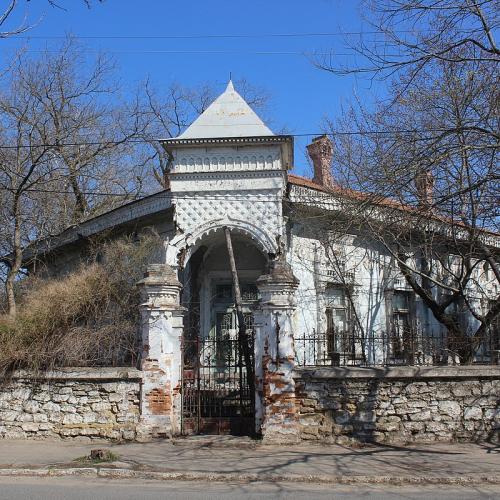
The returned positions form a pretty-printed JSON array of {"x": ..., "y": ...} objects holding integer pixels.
[
  {"x": 263, "y": 210},
  {"x": 236, "y": 186}
]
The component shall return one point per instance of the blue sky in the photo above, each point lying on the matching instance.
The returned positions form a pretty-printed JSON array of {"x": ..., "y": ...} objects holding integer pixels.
[{"x": 301, "y": 95}]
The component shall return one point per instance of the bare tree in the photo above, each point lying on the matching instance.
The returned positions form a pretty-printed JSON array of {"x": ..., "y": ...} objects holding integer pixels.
[
  {"x": 408, "y": 34},
  {"x": 24, "y": 167},
  {"x": 420, "y": 173},
  {"x": 24, "y": 25},
  {"x": 66, "y": 151},
  {"x": 6, "y": 15},
  {"x": 91, "y": 133},
  {"x": 428, "y": 169}
]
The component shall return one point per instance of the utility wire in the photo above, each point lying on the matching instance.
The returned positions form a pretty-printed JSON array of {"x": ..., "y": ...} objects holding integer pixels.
[
  {"x": 169, "y": 195},
  {"x": 217, "y": 36},
  {"x": 226, "y": 52},
  {"x": 145, "y": 141}
]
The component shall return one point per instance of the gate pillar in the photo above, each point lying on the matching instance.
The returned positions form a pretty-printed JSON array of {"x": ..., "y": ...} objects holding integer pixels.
[
  {"x": 275, "y": 354},
  {"x": 161, "y": 329}
]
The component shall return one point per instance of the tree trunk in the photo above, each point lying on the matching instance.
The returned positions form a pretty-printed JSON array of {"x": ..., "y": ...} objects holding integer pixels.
[
  {"x": 9, "y": 290},
  {"x": 15, "y": 264},
  {"x": 242, "y": 331},
  {"x": 81, "y": 204},
  {"x": 458, "y": 342}
]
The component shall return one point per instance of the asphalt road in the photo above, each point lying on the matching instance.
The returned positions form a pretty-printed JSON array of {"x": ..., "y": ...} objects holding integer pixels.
[{"x": 26, "y": 488}]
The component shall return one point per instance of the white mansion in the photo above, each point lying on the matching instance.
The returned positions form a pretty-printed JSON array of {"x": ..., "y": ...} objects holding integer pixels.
[{"x": 307, "y": 296}]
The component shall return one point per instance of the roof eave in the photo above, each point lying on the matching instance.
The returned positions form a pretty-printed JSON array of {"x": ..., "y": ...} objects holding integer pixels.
[
  {"x": 202, "y": 141},
  {"x": 100, "y": 223}
]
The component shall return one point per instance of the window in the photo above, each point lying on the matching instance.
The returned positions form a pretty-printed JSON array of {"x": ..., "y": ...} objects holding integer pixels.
[
  {"x": 401, "y": 341},
  {"x": 494, "y": 336},
  {"x": 224, "y": 292},
  {"x": 249, "y": 323},
  {"x": 223, "y": 344},
  {"x": 339, "y": 336},
  {"x": 249, "y": 292},
  {"x": 225, "y": 350},
  {"x": 486, "y": 271}
]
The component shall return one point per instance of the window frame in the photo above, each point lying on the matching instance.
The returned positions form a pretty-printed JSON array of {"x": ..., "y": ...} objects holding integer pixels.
[{"x": 339, "y": 342}]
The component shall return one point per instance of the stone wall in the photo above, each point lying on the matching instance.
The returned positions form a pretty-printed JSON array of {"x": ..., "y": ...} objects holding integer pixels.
[
  {"x": 399, "y": 404},
  {"x": 77, "y": 403}
]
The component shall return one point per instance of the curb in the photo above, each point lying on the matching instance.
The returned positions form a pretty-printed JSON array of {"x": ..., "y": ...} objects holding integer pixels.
[{"x": 114, "y": 473}]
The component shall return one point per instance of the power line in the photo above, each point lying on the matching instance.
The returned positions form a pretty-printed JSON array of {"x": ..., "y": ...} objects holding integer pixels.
[
  {"x": 160, "y": 194},
  {"x": 216, "y": 36},
  {"x": 207, "y": 52},
  {"x": 172, "y": 196},
  {"x": 304, "y": 134}
]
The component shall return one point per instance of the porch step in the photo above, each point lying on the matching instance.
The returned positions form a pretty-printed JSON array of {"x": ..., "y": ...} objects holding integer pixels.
[{"x": 206, "y": 441}]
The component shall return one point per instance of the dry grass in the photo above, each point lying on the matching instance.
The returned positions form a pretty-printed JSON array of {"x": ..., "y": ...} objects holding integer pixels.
[{"x": 86, "y": 318}]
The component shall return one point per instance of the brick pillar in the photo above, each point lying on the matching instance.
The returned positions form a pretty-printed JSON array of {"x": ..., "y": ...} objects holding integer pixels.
[
  {"x": 161, "y": 327},
  {"x": 275, "y": 355}
]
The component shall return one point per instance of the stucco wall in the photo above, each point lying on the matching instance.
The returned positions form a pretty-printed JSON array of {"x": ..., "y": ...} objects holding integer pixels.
[
  {"x": 84, "y": 403},
  {"x": 399, "y": 404},
  {"x": 373, "y": 278}
]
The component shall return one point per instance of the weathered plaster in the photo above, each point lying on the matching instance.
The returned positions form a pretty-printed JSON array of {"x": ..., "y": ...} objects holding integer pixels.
[
  {"x": 275, "y": 354},
  {"x": 161, "y": 325}
]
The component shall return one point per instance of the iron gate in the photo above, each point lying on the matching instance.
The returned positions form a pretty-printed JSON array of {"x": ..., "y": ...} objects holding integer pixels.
[{"x": 216, "y": 393}]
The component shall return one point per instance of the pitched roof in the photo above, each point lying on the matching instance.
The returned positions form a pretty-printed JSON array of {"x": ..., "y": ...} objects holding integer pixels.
[
  {"x": 132, "y": 212},
  {"x": 228, "y": 116},
  {"x": 298, "y": 180}
]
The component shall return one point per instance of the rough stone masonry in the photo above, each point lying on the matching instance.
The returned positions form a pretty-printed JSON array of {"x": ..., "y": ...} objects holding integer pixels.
[
  {"x": 332, "y": 404},
  {"x": 73, "y": 403},
  {"x": 399, "y": 404}
]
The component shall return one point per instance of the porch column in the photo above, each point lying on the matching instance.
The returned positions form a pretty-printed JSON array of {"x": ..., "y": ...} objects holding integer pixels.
[
  {"x": 161, "y": 328},
  {"x": 275, "y": 355}
]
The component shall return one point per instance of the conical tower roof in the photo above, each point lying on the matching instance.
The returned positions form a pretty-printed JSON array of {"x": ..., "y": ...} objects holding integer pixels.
[{"x": 228, "y": 116}]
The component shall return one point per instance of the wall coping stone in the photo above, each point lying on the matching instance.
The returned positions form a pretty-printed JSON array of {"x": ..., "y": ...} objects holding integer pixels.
[
  {"x": 82, "y": 373},
  {"x": 399, "y": 372}
]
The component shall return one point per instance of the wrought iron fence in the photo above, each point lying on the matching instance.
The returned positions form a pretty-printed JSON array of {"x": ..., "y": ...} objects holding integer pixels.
[
  {"x": 347, "y": 348},
  {"x": 216, "y": 395}
]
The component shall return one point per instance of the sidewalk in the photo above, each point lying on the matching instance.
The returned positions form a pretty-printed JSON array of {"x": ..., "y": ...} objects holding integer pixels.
[{"x": 239, "y": 459}]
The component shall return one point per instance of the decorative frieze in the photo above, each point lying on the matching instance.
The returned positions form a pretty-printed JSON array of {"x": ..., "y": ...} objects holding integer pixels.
[
  {"x": 261, "y": 213},
  {"x": 224, "y": 161}
]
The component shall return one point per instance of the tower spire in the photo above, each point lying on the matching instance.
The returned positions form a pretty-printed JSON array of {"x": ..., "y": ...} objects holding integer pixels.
[{"x": 228, "y": 116}]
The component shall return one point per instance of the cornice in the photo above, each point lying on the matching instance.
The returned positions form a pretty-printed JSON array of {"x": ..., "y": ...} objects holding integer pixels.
[
  {"x": 225, "y": 174},
  {"x": 272, "y": 139}
]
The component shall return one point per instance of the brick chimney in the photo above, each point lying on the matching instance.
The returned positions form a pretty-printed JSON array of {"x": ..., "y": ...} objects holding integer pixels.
[
  {"x": 424, "y": 184},
  {"x": 321, "y": 152}
]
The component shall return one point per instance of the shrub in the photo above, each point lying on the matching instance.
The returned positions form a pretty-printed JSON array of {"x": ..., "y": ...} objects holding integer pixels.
[{"x": 89, "y": 317}]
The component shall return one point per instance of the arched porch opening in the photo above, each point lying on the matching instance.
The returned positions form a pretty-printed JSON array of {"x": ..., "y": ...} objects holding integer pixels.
[{"x": 216, "y": 395}]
